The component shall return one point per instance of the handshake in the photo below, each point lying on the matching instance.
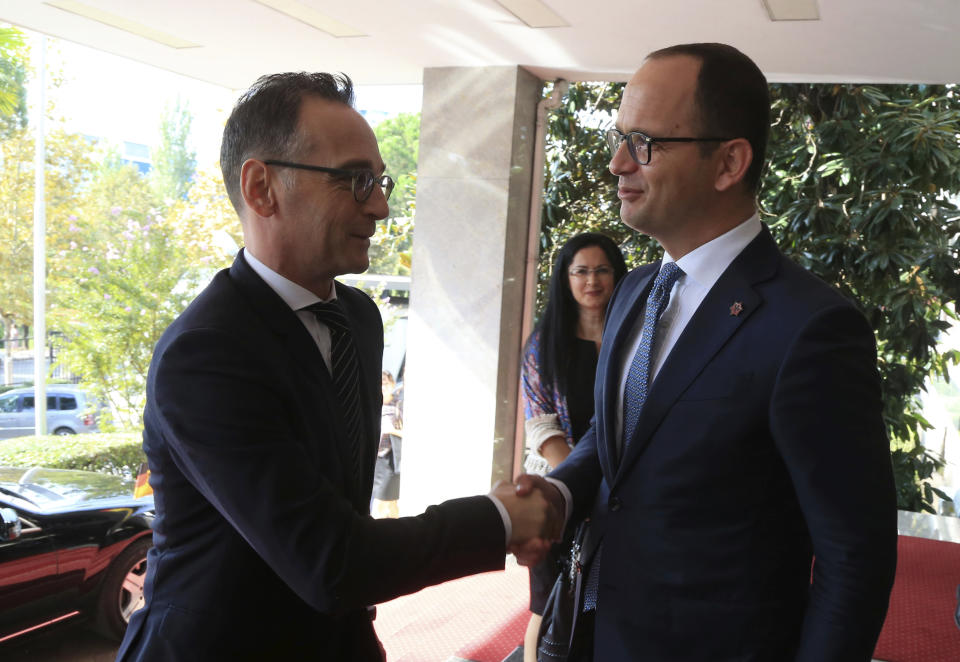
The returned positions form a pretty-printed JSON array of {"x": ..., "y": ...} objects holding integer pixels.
[{"x": 537, "y": 513}]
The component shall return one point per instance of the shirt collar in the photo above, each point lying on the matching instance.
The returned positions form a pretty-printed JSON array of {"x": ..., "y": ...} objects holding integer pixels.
[
  {"x": 706, "y": 263},
  {"x": 293, "y": 295}
]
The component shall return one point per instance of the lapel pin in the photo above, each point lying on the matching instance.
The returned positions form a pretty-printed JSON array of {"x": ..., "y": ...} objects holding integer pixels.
[{"x": 736, "y": 308}]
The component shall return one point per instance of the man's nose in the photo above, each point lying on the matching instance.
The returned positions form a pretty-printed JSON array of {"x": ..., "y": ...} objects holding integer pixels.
[
  {"x": 621, "y": 162},
  {"x": 377, "y": 204}
]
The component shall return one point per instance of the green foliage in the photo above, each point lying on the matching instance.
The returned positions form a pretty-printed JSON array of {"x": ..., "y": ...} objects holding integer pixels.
[
  {"x": 13, "y": 76},
  {"x": 858, "y": 191},
  {"x": 399, "y": 141},
  {"x": 580, "y": 194},
  {"x": 117, "y": 453},
  {"x": 67, "y": 170},
  {"x": 174, "y": 164},
  {"x": 130, "y": 275}
]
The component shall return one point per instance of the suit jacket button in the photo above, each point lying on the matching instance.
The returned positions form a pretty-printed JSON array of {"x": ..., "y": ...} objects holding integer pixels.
[{"x": 615, "y": 504}]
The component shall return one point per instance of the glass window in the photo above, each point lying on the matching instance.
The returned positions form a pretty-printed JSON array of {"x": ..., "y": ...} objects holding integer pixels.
[
  {"x": 68, "y": 402},
  {"x": 51, "y": 402},
  {"x": 28, "y": 402},
  {"x": 8, "y": 403}
]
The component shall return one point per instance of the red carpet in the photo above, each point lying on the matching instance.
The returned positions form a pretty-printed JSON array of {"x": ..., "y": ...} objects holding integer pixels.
[
  {"x": 480, "y": 618},
  {"x": 919, "y": 625}
]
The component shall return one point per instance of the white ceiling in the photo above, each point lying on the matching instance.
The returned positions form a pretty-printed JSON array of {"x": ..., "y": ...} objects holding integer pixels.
[{"x": 238, "y": 40}]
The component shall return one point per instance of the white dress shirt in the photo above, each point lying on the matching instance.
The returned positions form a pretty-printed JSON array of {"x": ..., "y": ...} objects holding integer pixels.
[
  {"x": 702, "y": 268},
  {"x": 297, "y": 297}
]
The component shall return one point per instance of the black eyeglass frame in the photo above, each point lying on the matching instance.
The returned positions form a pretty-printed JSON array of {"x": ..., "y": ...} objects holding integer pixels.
[
  {"x": 357, "y": 186},
  {"x": 612, "y": 135}
]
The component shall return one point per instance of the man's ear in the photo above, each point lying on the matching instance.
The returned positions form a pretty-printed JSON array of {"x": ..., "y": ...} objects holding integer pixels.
[
  {"x": 257, "y": 186},
  {"x": 734, "y": 159}
]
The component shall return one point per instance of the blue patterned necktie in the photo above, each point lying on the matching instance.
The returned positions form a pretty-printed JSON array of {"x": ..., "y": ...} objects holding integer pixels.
[
  {"x": 638, "y": 379},
  {"x": 345, "y": 369},
  {"x": 635, "y": 391}
]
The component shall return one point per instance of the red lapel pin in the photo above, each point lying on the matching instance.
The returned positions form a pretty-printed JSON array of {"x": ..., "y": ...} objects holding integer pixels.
[{"x": 736, "y": 308}]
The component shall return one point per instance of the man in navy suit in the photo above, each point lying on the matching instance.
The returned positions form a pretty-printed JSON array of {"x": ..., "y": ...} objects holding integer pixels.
[
  {"x": 261, "y": 426},
  {"x": 758, "y": 443}
]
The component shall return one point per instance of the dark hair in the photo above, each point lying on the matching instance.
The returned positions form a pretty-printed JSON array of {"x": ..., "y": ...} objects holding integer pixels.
[
  {"x": 557, "y": 327},
  {"x": 263, "y": 123},
  {"x": 732, "y": 99}
]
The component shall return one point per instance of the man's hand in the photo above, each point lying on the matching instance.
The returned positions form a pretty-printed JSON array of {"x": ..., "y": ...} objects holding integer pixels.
[
  {"x": 537, "y": 515},
  {"x": 532, "y": 515}
]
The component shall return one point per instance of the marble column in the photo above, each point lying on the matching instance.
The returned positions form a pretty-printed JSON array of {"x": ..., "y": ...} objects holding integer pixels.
[{"x": 466, "y": 305}]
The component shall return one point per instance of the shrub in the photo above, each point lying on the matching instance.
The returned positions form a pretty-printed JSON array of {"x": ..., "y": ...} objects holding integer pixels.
[{"x": 117, "y": 453}]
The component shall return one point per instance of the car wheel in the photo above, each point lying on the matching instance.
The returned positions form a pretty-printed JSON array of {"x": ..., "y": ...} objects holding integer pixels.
[
  {"x": 122, "y": 592},
  {"x": 63, "y": 432}
]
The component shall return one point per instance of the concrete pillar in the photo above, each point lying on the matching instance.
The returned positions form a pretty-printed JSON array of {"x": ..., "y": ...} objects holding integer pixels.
[{"x": 466, "y": 303}]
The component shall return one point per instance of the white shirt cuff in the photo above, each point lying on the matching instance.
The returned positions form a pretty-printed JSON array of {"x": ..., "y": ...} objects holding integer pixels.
[
  {"x": 567, "y": 498},
  {"x": 507, "y": 525}
]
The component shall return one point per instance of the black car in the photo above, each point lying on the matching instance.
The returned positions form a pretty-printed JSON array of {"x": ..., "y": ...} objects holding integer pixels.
[{"x": 72, "y": 544}]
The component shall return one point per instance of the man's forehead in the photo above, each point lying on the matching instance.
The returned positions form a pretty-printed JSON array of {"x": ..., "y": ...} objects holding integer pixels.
[
  {"x": 338, "y": 133},
  {"x": 663, "y": 90}
]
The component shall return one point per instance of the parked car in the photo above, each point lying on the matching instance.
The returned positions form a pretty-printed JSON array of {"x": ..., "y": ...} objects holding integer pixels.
[
  {"x": 72, "y": 544},
  {"x": 70, "y": 410}
]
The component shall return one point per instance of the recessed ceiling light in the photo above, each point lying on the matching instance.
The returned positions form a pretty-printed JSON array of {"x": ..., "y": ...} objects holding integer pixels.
[
  {"x": 312, "y": 17},
  {"x": 792, "y": 10},
  {"x": 534, "y": 13},
  {"x": 121, "y": 23}
]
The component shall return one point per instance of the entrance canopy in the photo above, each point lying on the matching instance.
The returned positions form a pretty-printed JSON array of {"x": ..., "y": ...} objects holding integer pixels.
[{"x": 231, "y": 42}]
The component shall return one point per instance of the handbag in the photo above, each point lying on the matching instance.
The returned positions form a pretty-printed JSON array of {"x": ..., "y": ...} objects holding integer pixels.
[{"x": 556, "y": 640}]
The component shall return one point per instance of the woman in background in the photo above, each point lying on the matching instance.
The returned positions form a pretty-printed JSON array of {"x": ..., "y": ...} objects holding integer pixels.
[{"x": 559, "y": 366}]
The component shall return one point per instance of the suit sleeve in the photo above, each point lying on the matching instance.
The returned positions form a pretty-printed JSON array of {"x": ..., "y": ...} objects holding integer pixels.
[
  {"x": 224, "y": 416},
  {"x": 826, "y": 421}
]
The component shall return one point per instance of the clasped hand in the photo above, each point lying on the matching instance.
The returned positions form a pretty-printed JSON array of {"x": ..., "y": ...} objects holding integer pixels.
[{"x": 536, "y": 512}]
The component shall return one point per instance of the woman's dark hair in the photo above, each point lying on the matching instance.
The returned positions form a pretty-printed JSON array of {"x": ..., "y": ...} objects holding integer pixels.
[{"x": 558, "y": 323}]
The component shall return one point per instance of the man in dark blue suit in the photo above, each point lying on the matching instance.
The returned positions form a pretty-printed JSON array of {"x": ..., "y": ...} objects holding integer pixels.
[
  {"x": 738, "y": 435},
  {"x": 263, "y": 415}
]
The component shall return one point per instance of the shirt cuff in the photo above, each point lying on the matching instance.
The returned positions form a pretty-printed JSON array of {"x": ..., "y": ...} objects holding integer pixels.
[
  {"x": 567, "y": 498},
  {"x": 505, "y": 516}
]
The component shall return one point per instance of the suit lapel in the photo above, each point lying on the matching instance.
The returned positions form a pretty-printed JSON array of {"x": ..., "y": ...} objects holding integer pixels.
[
  {"x": 305, "y": 360},
  {"x": 710, "y": 328},
  {"x": 620, "y": 321}
]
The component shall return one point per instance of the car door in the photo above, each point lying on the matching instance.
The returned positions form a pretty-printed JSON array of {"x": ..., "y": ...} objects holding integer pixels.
[
  {"x": 11, "y": 417},
  {"x": 25, "y": 416},
  {"x": 28, "y": 574}
]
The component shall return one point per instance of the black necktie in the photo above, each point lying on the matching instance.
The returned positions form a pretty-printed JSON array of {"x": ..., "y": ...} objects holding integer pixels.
[{"x": 345, "y": 369}]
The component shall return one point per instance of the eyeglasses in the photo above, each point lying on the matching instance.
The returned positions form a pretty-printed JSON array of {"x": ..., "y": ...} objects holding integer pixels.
[
  {"x": 639, "y": 143},
  {"x": 363, "y": 180},
  {"x": 584, "y": 272}
]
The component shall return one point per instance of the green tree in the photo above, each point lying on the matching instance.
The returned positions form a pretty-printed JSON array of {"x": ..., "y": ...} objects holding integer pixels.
[
  {"x": 125, "y": 282},
  {"x": 858, "y": 191},
  {"x": 66, "y": 175},
  {"x": 399, "y": 141},
  {"x": 174, "y": 164},
  {"x": 13, "y": 76},
  {"x": 135, "y": 269}
]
